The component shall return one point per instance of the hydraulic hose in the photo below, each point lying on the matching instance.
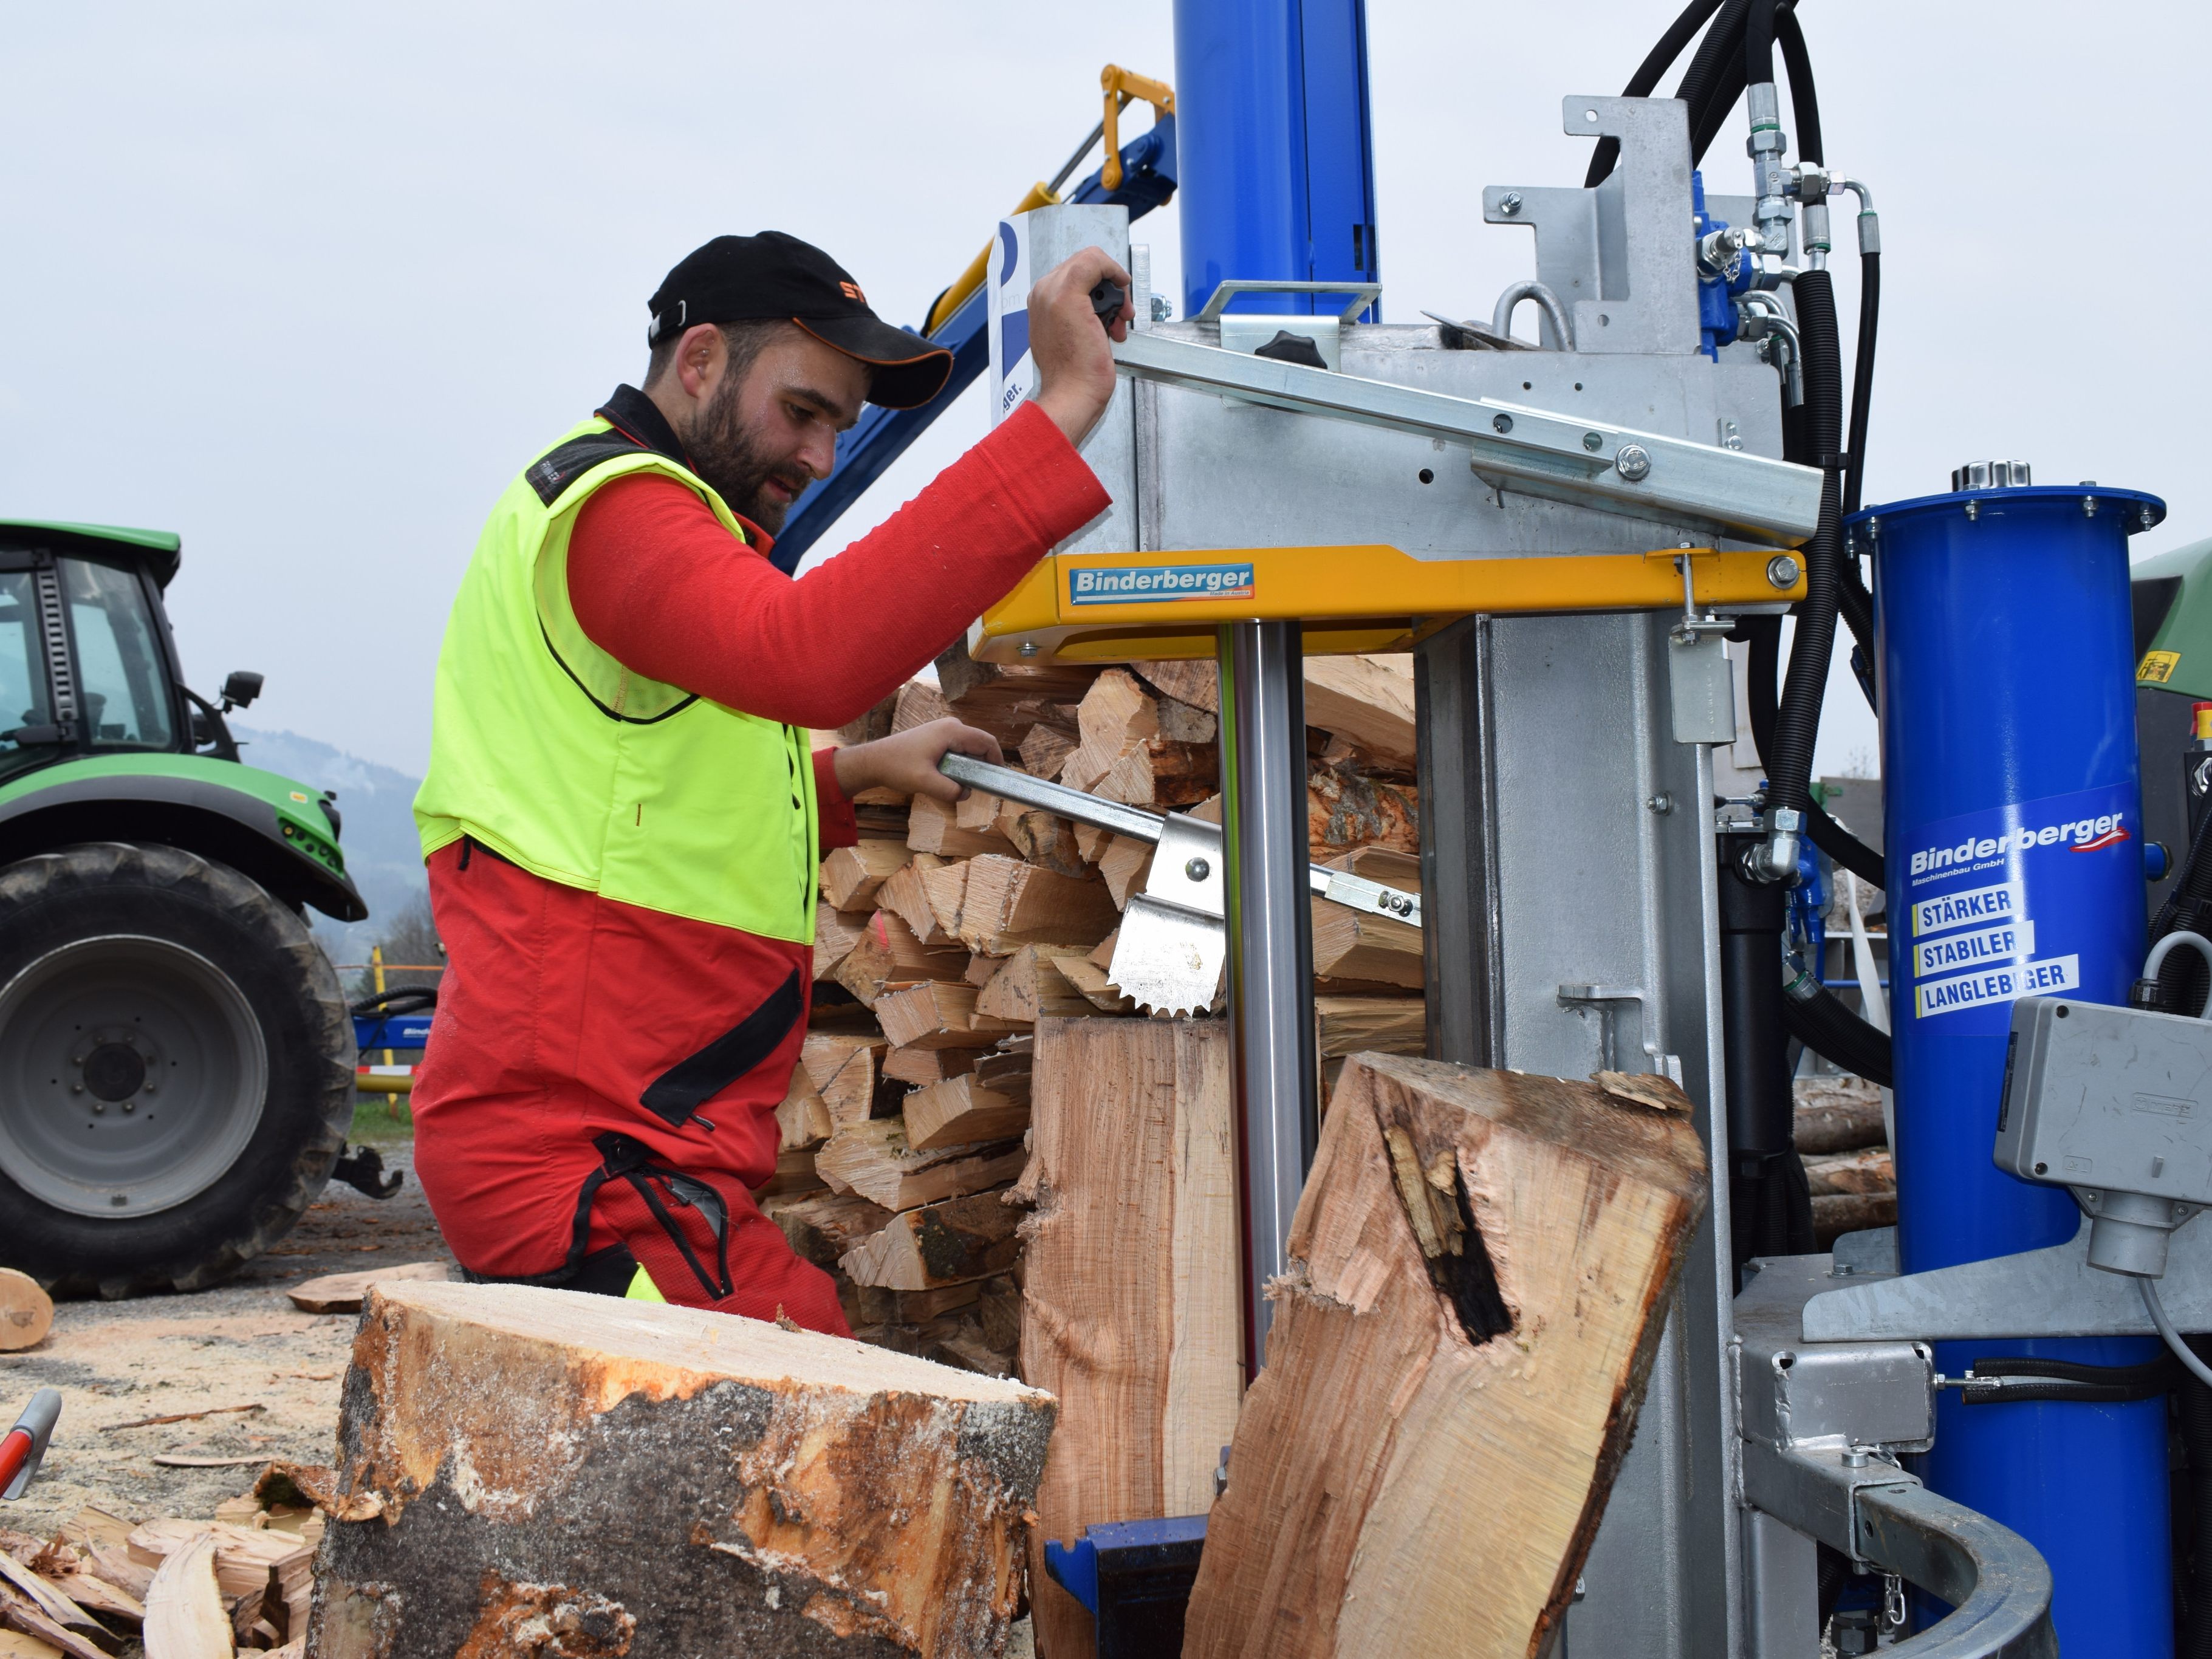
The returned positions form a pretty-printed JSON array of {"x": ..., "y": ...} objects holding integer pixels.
[
  {"x": 1804, "y": 101},
  {"x": 1758, "y": 43},
  {"x": 1816, "y": 1017},
  {"x": 1656, "y": 63},
  {"x": 1764, "y": 636},
  {"x": 1797, "y": 722},
  {"x": 1862, "y": 378}
]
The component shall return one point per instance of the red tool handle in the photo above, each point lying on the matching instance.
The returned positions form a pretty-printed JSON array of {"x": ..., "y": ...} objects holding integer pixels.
[{"x": 14, "y": 1452}]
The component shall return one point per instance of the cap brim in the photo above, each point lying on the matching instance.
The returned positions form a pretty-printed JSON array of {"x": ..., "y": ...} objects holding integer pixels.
[{"x": 908, "y": 370}]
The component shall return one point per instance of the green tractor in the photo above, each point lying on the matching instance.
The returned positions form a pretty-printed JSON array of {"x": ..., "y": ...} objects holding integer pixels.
[{"x": 176, "y": 1057}]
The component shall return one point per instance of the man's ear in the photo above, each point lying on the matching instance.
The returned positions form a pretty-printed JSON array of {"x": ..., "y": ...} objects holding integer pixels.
[{"x": 701, "y": 357}]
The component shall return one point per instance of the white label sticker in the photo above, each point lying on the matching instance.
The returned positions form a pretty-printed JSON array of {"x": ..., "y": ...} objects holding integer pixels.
[
  {"x": 2025, "y": 979},
  {"x": 2003, "y": 901},
  {"x": 1978, "y": 949},
  {"x": 1013, "y": 371}
]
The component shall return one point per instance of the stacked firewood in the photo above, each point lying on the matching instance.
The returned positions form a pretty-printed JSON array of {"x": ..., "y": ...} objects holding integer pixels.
[
  {"x": 952, "y": 929},
  {"x": 1844, "y": 1142}
]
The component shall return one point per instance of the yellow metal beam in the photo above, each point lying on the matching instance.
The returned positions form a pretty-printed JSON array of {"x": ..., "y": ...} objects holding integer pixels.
[
  {"x": 1040, "y": 195},
  {"x": 1091, "y": 607}
]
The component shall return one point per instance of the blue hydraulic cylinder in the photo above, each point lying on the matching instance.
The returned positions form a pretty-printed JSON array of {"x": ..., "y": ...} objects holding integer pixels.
[
  {"x": 2013, "y": 835},
  {"x": 1276, "y": 168}
]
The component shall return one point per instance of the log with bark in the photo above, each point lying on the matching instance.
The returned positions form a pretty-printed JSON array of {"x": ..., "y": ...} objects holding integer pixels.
[
  {"x": 823, "y": 1226},
  {"x": 553, "y": 1473},
  {"x": 939, "y": 1244},
  {"x": 1480, "y": 1268},
  {"x": 1132, "y": 1291}
]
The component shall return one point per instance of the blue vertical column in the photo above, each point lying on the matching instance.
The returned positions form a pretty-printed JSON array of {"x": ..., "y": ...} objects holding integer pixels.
[
  {"x": 1277, "y": 184},
  {"x": 1275, "y": 156},
  {"x": 2014, "y": 842}
]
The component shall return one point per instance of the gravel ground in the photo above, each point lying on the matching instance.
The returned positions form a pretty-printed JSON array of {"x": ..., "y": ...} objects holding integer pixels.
[{"x": 243, "y": 1344}]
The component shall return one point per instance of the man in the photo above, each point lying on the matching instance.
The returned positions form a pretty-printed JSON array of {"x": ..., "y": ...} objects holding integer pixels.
[{"x": 622, "y": 819}]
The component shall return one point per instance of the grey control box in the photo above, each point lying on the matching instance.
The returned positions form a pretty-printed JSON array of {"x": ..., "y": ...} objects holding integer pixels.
[{"x": 2096, "y": 1096}]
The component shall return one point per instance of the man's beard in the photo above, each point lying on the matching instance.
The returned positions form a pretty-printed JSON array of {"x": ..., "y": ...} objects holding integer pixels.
[{"x": 722, "y": 453}]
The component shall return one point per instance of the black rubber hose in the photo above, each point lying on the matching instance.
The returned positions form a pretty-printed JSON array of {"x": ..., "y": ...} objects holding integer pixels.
[
  {"x": 1862, "y": 379},
  {"x": 1816, "y": 1017},
  {"x": 2195, "y": 1403},
  {"x": 1708, "y": 117},
  {"x": 1656, "y": 63},
  {"x": 1804, "y": 101},
  {"x": 408, "y": 1000},
  {"x": 1765, "y": 636},
  {"x": 1758, "y": 43},
  {"x": 1718, "y": 54},
  {"x": 1797, "y": 722},
  {"x": 2086, "y": 1393}
]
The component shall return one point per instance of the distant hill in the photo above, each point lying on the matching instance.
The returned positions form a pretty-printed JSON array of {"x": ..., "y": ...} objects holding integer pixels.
[{"x": 381, "y": 852}]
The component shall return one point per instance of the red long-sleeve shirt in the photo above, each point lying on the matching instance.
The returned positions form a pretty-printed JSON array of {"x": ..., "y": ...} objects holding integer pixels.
[{"x": 559, "y": 1007}]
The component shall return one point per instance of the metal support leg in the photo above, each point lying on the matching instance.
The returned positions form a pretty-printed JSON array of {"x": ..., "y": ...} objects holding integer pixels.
[{"x": 1272, "y": 1060}]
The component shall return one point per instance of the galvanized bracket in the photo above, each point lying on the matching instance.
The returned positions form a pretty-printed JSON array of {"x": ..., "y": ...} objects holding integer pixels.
[
  {"x": 1591, "y": 463},
  {"x": 2048, "y": 1292}
]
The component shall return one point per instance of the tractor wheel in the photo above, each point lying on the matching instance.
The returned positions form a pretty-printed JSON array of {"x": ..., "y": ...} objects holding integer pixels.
[{"x": 176, "y": 1069}]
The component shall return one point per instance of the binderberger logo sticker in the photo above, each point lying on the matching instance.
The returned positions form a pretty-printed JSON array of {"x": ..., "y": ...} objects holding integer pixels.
[{"x": 1137, "y": 584}]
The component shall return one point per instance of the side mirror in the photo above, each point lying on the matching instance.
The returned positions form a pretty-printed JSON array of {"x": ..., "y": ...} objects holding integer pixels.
[{"x": 240, "y": 691}]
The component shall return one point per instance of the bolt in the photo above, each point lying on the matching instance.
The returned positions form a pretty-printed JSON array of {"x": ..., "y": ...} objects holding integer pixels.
[
  {"x": 1632, "y": 462},
  {"x": 1509, "y": 204},
  {"x": 1781, "y": 570},
  {"x": 130, "y": 1106},
  {"x": 99, "y": 1107},
  {"x": 1161, "y": 309},
  {"x": 76, "y": 1088},
  {"x": 1198, "y": 869},
  {"x": 1028, "y": 648},
  {"x": 1662, "y": 805},
  {"x": 1501, "y": 423},
  {"x": 1592, "y": 442},
  {"x": 1855, "y": 1457},
  {"x": 2089, "y": 507},
  {"x": 2147, "y": 518},
  {"x": 1974, "y": 511}
]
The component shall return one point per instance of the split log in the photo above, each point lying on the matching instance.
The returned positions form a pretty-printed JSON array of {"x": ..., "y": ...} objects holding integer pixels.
[
  {"x": 881, "y": 1307},
  {"x": 803, "y": 1118},
  {"x": 870, "y": 726},
  {"x": 343, "y": 1293},
  {"x": 1098, "y": 988},
  {"x": 1123, "y": 867},
  {"x": 1005, "y": 698},
  {"x": 939, "y": 1244},
  {"x": 1351, "y": 1025},
  {"x": 1009, "y": 904},
  {"x": 52, "y": 1602},
  {"x": 925, "y": 895},
  {"x": 27, "y": 1312},
  {"x": 1131, "y": 1300},
  {"x": 937, "y": 1016},
  {"x": 1049, "y": 843},
  {"x": 1366, "y": 702},
  {"x": 851, "y": 875},
  {"x": 1197, "y": 682},
  {"x": 961, "y": 1111},
  {"x": 835, "y": 936},
  {"x": 918, "y": 703},
  {"x": 1347, "y": 808},
  {"x": 874, "y": 1160},
  {"x": 1352, "y": 945},
  {"x": 1045, "y": 749},
  {"x": 273, "y": 1570},
  {"x": 921, "y": 1067},
  {"x": 794, "y": 1173},
  {"x": 1029, "y": 986},
  {"x": 1503, "y": 1249},
  {"x": 541, "y": 1463},
  {"x": 933, "y": 826},
  {"x": 823, "y": 1226},
  {"x": 843, "y": 1068},
  {"x": 889, "y": 956}
]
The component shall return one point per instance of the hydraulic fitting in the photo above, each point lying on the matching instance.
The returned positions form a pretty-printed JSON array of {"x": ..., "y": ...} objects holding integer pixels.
[
  {"x": 1771, "y": 175},
  {"x": 1776, "y": 859}
]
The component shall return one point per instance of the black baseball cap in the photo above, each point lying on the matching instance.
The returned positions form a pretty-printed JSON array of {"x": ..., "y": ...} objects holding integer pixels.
[{"x": 736, "y": 279}]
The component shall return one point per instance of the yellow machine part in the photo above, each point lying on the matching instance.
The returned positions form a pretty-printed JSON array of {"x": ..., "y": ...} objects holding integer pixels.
[{"x": 1356, "y": 599}]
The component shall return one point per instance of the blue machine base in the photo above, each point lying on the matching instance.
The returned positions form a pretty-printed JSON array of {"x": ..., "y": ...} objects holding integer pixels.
[{"x": 1134, "y": 1577}]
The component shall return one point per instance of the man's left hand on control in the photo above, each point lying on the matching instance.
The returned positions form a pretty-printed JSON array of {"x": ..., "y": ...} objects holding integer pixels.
[{"x": 907, "y": 761}]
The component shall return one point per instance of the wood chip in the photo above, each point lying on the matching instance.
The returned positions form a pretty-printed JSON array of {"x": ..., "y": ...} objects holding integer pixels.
[
  {"x": 185, "y": 1417},
  {"x": 185, "y": 1618},
  {"x": 342, "y": 1292}
]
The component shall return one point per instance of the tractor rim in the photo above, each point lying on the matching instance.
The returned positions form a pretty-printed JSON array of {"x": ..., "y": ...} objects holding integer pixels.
[{"x": 133, "y": 1073}]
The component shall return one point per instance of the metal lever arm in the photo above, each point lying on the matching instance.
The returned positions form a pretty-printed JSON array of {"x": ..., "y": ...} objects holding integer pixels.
[{"x": 1338, "y": 886}]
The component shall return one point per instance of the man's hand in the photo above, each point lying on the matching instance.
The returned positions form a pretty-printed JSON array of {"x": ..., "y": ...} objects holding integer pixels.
[
  {"x": 907, "y": 761},
  {"x": 1075, "y": 367}
]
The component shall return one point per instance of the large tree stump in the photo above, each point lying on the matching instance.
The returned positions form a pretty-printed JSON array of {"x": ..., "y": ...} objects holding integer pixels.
[
  {"x": 552, "y": 1473},
  {"x": 1481, "y": 1268},
  {"x": 1131, "y": 1311}
]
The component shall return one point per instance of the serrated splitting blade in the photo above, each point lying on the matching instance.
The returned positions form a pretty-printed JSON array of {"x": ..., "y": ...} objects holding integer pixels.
[{"x": 1173, "y": 943}]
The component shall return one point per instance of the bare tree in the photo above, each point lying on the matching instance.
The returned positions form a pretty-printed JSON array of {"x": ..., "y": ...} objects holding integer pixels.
[{"x": 410, "y": 944}]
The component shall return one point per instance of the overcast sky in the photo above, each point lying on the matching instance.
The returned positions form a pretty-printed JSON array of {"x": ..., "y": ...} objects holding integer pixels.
[{"x": 309, "y": 284}]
